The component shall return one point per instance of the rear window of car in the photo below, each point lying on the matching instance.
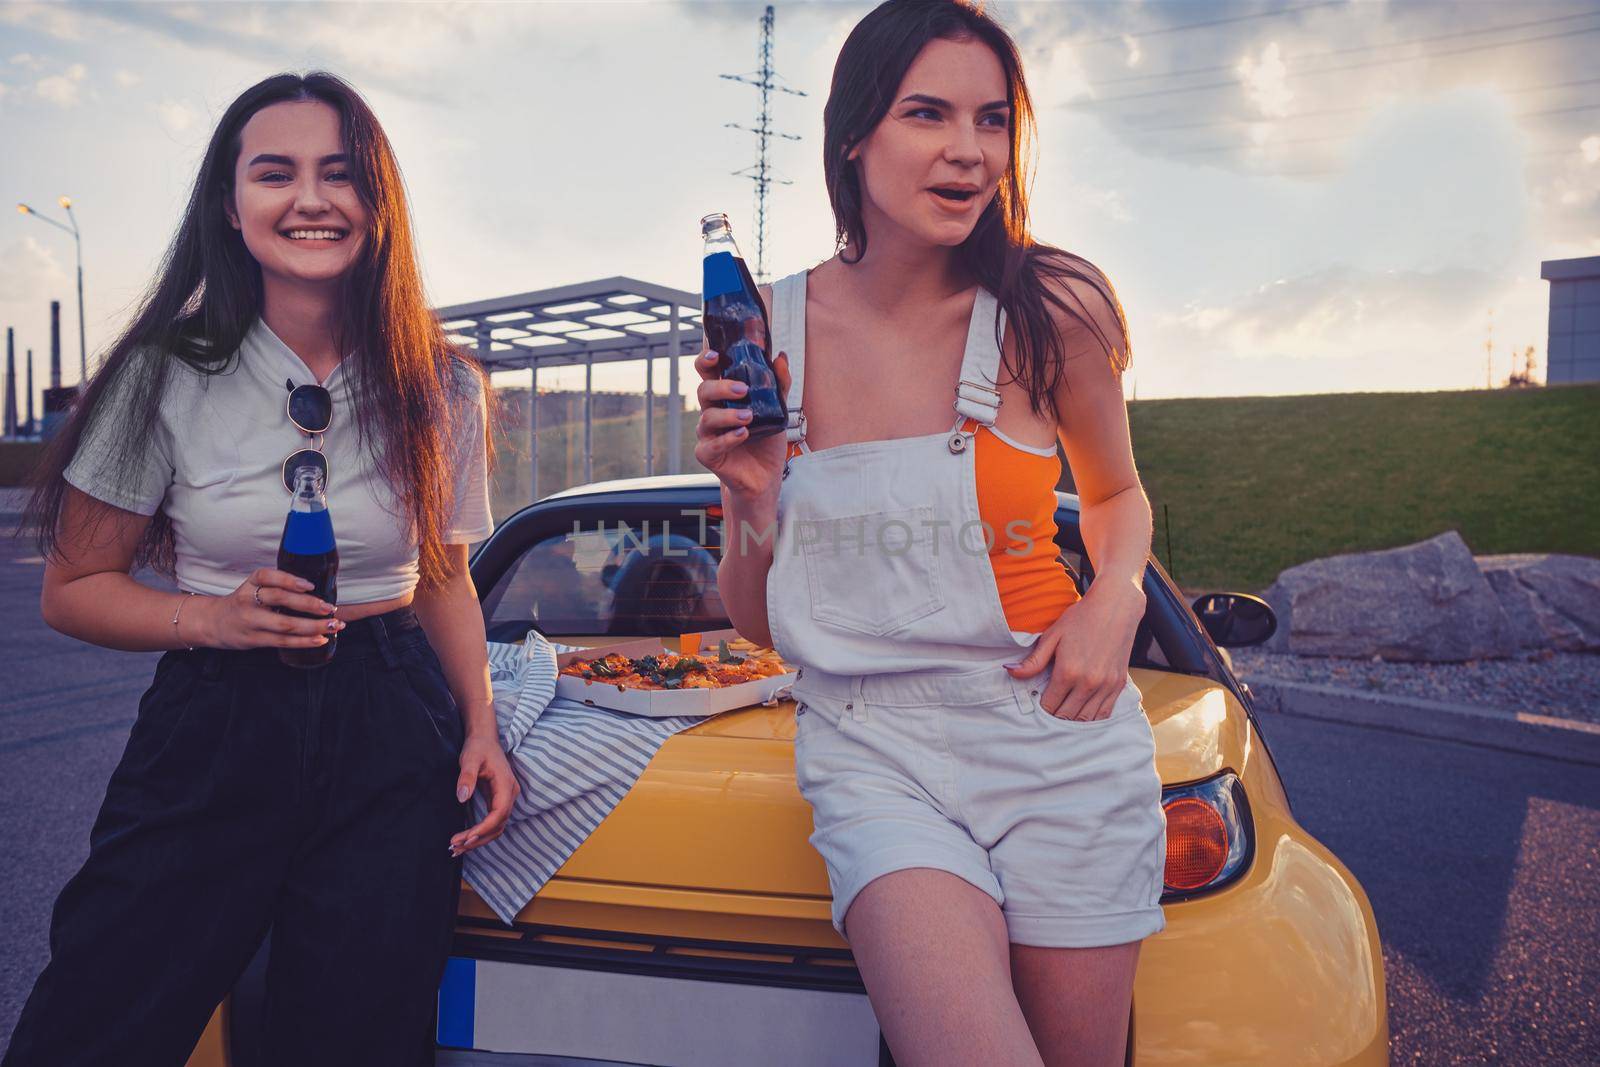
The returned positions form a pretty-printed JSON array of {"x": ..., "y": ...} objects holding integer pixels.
[
  {"x": 620, "y": 578},
  {"x": 659, "y": 578},
  {"x": 1147, "y": 651}
]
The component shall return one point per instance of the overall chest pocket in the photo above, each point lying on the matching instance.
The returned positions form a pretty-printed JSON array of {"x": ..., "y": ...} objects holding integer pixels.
[{"x": 874, "y": 572}]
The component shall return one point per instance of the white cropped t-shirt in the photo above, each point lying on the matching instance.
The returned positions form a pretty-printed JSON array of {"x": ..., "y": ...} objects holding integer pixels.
[{"x": 216, "y": 461}]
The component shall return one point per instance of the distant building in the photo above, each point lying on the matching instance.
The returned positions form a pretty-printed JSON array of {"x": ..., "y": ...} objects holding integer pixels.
[{"x": 1574, "y": 348}]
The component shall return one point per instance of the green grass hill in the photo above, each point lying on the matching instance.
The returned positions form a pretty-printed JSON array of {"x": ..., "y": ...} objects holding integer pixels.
[
  {"x": 1252, "y": 485},
  {"x": 1256, "y": 484}
]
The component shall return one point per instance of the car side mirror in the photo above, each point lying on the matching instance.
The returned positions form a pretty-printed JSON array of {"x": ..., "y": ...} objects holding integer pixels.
[{"x": 1235, "y": 620}]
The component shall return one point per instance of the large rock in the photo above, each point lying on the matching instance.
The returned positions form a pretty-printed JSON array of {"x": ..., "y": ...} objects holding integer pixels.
[
  {"x": 1427, "y": 601},
  {"x": 1553, "y": 601}
]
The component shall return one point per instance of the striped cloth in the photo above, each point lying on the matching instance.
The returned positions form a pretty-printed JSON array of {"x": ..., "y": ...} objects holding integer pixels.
[{"x": 574, "y": 763}]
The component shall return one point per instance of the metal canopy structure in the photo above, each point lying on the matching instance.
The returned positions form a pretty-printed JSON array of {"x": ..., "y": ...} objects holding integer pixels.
[{"x": 609, "y": 320}]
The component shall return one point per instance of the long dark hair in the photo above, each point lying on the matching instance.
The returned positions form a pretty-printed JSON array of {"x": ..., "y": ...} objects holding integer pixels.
[
  {"x": 999, "y": 252},
  {"x": 208, "y": 293}
]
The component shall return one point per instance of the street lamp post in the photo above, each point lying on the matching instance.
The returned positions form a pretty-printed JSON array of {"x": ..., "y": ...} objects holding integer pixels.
[{"x": 77, "y": 244}]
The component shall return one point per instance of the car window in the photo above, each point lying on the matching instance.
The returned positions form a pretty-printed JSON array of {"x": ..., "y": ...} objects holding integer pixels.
[
  {"x": 617, "y": 578},
  {"x": 659, "y": 578},
  {"x": 1147, "y": 651}
]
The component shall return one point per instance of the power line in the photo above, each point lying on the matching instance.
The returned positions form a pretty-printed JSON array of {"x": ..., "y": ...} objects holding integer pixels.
[
  {"x": 1555, "y": 111},
  {"x": 1319, "y": 172},
  {"x": 1355, "y": 48},
  {"x": 1345, "y": 136},
  {"x": 1211, "y": 22},
  {"x": 1332, "y": 70},
  {"x": 1208, "y": 149},
  {"x": 1325, "y": 112},
  {"x": 1237, "y": 121}
]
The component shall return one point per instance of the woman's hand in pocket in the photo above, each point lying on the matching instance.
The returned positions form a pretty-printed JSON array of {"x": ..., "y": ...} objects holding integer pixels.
[
  {"x": 1087, "y": 650},
  {"x": 483, "y": 762}
]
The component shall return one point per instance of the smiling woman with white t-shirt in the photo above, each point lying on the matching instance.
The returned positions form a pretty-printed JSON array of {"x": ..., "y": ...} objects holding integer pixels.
[{"x": 324, "y": 804}]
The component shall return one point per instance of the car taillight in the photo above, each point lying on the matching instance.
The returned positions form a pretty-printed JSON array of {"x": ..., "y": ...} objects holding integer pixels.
[
  {"x": 1209, "y": 838},
  {"x": 1197, "y": 843}
]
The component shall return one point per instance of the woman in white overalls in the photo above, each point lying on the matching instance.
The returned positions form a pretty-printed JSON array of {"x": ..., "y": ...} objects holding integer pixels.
[{"x": 984, "y": 794}]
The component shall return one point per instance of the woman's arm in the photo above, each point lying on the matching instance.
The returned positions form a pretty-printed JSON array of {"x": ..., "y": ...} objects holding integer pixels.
[
  {"x": 1114, "y": 512},
  {"x": 97, "y": 547},
  {"x": 749, "y": 529},
  {"x": 1094, "y": 636},
  {"x": 89, "y": 593},
  {"x": 453, "y": 620}
]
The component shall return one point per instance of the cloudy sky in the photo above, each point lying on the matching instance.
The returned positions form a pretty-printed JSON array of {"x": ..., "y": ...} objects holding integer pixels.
[{"x": 1290, "y": 197}]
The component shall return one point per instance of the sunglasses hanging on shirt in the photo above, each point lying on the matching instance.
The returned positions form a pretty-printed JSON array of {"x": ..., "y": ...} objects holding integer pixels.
[{"x": 310, "y": 408}]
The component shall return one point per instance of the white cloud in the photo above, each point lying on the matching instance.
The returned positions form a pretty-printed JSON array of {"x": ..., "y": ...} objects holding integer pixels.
[
  {"x": 1203, "y": 320},
  {"x": 1108, "y": 203},
  {"x": 1322, "y": 307},
  {"x": 416, "y": 50},
  {"x": 1578, "y": 185},
  {"x": 175, "y": 115},
  {"x": 1132, "y": 45},
  {"x": 1590, "y": 147},
  {"x": 1342, "y": 329},
  {"x": 27, "y": 60},
  {"x": 29, "y": 271},
  {"x": 1055, "y": 74},
  {"x": 57, "y": 20},
  {"x": 126, "y": 79},
  {"x": 64, "y": 89},
  {"x": 1266, "y": 81}
]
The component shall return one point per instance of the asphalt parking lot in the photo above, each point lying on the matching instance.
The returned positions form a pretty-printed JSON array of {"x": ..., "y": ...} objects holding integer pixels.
[{"x": 1483, "y": 866}]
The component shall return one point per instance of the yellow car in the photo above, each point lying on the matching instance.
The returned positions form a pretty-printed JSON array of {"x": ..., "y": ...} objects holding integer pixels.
[{"x": 692, "y": 926}]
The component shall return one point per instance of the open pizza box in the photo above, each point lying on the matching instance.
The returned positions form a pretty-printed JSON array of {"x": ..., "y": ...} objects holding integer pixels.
[{"x": 663, "y": 703}]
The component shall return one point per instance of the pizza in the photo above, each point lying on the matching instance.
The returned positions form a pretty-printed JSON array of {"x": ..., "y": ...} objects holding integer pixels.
[{"x": 672, "y": 670}]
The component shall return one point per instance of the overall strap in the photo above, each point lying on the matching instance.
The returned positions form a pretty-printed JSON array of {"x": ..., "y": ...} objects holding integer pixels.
[
  {"x": 977, "y": 395},
  {"x": 789, "y": 337}
]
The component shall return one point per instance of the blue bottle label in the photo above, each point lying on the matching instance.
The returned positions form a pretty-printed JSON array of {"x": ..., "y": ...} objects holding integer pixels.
[
  {"x": 721, "y": 275},
  {"x": 308, "y": 533}
]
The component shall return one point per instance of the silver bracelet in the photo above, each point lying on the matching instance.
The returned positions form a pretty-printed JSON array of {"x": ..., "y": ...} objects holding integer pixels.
[{"x": 175, "y": 614}]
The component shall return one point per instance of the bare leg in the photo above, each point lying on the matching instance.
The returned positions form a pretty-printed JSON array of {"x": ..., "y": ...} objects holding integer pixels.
[
  {"x": 932, "y": 951},
  {"x": 1076, "y": 1001}
]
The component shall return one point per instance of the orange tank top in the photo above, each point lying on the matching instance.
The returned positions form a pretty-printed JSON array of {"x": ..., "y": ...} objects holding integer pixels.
[{"x": 1017, "y": 502}]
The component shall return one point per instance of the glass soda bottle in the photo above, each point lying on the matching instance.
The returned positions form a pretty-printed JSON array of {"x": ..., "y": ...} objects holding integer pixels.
[
  {"x": 309, "y": 551},
  {"x": 735, "y": 323}
]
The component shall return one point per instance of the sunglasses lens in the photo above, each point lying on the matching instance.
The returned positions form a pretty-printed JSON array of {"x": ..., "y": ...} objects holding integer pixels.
[
  {"x": 311, "y": 408},
  {"x": 306, "y": 457}
]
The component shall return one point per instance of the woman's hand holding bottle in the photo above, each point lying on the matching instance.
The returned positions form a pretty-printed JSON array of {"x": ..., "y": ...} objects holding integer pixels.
[
  {"x": 746, "y": 467},
  {"x": 245, "y": 617}
]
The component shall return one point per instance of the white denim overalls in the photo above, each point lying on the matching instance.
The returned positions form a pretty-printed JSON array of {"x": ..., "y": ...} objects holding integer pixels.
[{"x": 914, "y": 745}]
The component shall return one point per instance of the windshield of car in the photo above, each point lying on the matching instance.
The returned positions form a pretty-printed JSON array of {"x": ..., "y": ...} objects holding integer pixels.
[
  {"x": 658, "y": 577},
  {"x": 618, "y": 578}
]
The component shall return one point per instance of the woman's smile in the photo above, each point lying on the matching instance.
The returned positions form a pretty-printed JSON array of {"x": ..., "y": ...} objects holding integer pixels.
[{"x": 316, "y": 236}]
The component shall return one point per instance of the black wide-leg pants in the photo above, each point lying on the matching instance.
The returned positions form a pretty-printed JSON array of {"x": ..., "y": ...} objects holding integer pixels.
[{"x": 252, "y": 795}]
